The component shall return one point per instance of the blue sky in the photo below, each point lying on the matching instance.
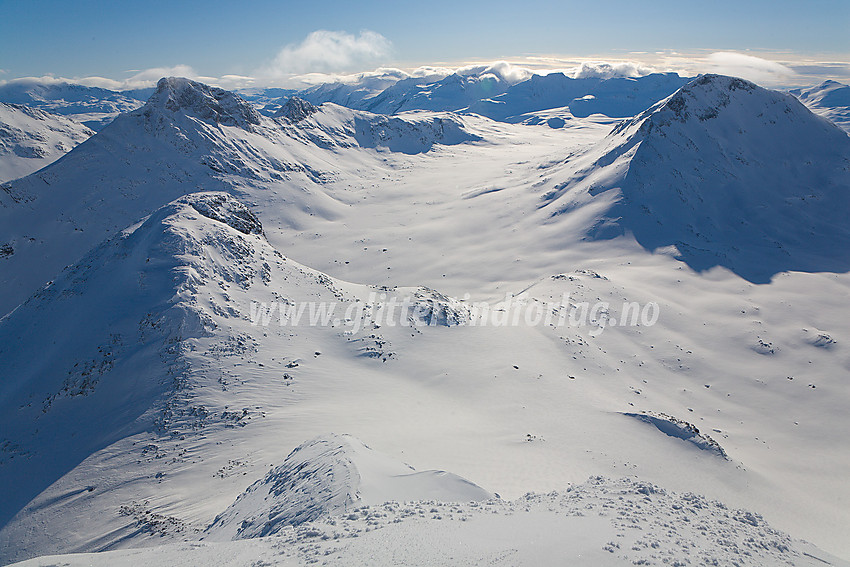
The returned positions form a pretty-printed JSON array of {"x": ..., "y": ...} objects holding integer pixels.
[{"x": 117, "y": 40}]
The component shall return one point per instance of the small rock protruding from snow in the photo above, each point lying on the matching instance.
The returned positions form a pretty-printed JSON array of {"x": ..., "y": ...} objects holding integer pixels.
[
  {"x": 224, "y": 208},
  {"x": 434, "y": 308}
]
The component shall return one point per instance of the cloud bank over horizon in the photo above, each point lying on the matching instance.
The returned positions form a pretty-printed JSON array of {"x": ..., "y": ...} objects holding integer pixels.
[{"x": 325, "y": 56}]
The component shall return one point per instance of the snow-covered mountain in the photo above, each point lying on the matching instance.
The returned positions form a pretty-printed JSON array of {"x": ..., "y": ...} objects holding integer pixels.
[
  {"x": 830, "y": 99},
  {"x": 728, "y": 174},
  {"x": 183, "y": 406},
  {"x": 492, "y": 94},
  {"x": 31, "y": 139},
  {"x": 93, "y": 106},
  {"x": 615, "y": 97},
  {"x": 190, "y": 137},
  {"x": 352, "y": 93},
  {"x": 144, "y": 394}
]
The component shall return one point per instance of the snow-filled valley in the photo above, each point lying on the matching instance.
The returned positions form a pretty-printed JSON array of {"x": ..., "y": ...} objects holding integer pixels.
[{"x": 658, "y": 375}]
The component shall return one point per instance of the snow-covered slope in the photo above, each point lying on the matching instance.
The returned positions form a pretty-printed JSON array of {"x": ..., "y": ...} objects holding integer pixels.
[
  {"x": 830, "y": 99},
  {"x": 31, "y": 139},
  {"x": 454, "y": 92},
  {"x": 729, "y": 174},
  {"x": 77, "y": 390},
  {"x": 191, "y": 137},
  {"x": 736, "y": 392},
  {"x": 600, "y": 523},
  {"x": 95, "y": 107},
  {"x": 154, "y": 379}
]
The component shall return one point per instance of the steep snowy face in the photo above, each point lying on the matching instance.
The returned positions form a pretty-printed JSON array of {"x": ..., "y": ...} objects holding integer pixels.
[
  {"x": 211, "y": 104},
  {"x": 826, "y": 94},
  {"x": 353, "y": 93},
  {"x": 31, "y": 139},
  {"x": 99, "y": 354},
  {"x": 729, "y": 174},
  {"x": 330, "y": 475}
]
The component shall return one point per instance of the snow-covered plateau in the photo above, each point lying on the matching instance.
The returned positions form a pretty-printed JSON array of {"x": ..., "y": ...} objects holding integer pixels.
[{"x": 542, "y": 321}]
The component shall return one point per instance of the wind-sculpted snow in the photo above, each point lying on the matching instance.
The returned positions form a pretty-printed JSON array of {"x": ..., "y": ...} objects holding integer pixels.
[
  {"x": 729, "y": 174},
  {"x": 125, "y": 370},
  {"x": 118, "y": 373},
  {"x": 167, "y": 326},
  {"x": 329, "y": 475},
  {"x": 680, "y": 429}
]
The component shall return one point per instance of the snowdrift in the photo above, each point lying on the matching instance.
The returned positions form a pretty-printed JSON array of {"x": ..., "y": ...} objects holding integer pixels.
[{"x": 333, "y": 474}]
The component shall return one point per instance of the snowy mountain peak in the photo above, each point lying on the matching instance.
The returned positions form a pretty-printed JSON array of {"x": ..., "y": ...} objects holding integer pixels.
[
  {"x": 295, "y": 109},
  {"x": 731, "y": 174},
  {"x": 709, "y": 96},
  {"x": 210, "y": 104},
  {"x": 703, "y": 97}
]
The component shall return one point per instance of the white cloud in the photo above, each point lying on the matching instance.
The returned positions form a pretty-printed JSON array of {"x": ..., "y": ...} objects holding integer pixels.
[
  {"x": 504, "y": 70},
  {"x": 326, "y": 51},
  {"x": 327, "y": 57},
  {"x": 149, "y": 77},
  {"x": 385, "y": 76},
  {"x": 609, "y": 70},
  {"x": 141, "y": 79},
  {"x": 749, "y": 67}
]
